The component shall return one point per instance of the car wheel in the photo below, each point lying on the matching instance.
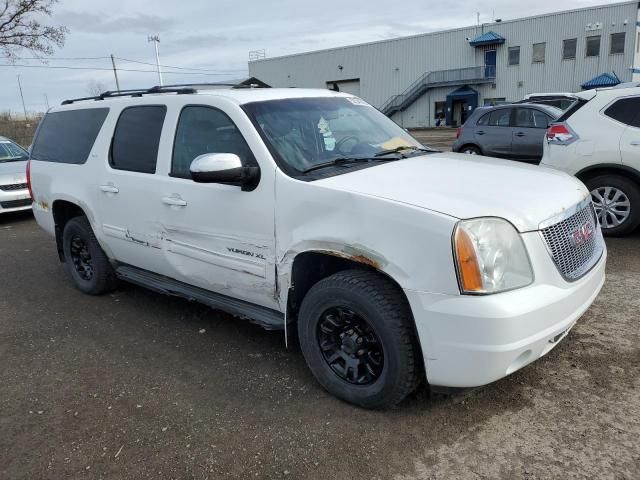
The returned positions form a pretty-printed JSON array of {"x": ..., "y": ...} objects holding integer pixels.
[
  {"x": 357, "y": 336},
  {"x": 85, "y": 261},
  {"x": 470, "y": 150},
  {"x": 617, "y": 203}
]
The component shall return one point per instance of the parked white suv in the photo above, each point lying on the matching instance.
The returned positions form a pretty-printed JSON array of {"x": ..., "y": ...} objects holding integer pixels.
[
  {"x": 311, "y": 211},
  {"x": 598, "y": 141}
]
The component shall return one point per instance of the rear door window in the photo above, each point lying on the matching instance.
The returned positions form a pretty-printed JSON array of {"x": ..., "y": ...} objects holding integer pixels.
[
  {"x": 500, "y": 118},
  {"x": 625, "y": 110},
  {"x": 67, "y": 137},
  {"x": 136, "y": 139}
]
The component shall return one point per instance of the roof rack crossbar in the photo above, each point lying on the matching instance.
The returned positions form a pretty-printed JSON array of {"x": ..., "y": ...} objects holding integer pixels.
[{"x": 181, "y": 88}]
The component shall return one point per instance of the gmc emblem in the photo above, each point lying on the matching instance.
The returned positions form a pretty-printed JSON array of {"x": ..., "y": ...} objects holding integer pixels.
[{"x": 582, "y": 235}]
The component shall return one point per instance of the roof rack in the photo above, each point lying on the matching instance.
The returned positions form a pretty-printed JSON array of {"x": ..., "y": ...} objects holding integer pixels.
[{"x": 180, "y": 89}]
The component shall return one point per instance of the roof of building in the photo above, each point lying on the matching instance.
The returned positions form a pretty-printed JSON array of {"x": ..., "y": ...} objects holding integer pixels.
[
  {"x": 488, "y": 38},
  {"x": 602, "y": 80},
  {"x": 447, "y": 31}
]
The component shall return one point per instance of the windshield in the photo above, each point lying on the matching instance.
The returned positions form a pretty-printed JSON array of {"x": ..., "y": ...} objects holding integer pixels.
[
  {"x": 11, "y": 152},
  {"x": 314, "y": 132}
]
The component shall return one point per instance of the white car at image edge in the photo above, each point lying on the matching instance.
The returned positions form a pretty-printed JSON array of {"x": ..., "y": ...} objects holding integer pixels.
[
  {"x": 14, "y": 195},
  {"x": 311, "y": 212},
  {"x": 598, "y": 141}
]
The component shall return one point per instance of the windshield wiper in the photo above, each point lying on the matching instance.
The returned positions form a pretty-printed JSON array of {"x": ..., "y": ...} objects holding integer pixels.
[
  {"x": 347, "y": 161},
  {"x": 412, "y": 148}
]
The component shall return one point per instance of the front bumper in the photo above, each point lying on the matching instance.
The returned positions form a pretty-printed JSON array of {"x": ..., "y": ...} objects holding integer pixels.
[{"x": 470, "y": 341}]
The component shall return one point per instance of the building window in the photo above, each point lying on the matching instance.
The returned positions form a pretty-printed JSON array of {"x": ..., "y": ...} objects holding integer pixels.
[
  {"x": 491, "y": 102},
  {"x": 617, "y": 43},
  {"x": 514, "y": 55},
  {"x": 593, "y": 46},
  {"x": 569, "y": 48},
  {"x": 538, "y": 52},
  {"x": 438, "y": 111}
]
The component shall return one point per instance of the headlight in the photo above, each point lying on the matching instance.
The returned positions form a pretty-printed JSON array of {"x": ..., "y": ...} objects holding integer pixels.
[{"x": 490, "y": 256}]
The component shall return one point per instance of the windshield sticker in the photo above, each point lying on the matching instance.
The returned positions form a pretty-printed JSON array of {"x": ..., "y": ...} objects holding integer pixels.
[{"x": 357, "y": 101}]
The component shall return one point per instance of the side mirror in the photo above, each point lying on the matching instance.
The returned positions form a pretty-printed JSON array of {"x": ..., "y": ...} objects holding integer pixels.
[{"x": 224, "y": 168}]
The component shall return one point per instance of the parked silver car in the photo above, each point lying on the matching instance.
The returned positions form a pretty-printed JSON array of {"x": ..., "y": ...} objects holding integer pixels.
[
  {"x": 507, "y": 131},
  {"x": 14, "y": 194}
]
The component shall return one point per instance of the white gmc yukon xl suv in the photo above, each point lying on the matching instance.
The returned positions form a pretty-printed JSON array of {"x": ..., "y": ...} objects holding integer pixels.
[{"x": 311, "y": 212}]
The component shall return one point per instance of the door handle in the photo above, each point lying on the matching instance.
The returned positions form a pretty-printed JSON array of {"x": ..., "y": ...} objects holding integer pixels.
[
  {"x": 520, "y": 134},
  {"x": 109, "y": 188},
  {"x": 636, "y": 143},
  {"x": 481, "y": 132},
  {"x": 174, "y": 201}
]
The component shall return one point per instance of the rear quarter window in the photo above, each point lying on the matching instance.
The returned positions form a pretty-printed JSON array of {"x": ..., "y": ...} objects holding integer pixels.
[
  {"x": 625, "y": 110},
  {"x": 67, "y": 137}
]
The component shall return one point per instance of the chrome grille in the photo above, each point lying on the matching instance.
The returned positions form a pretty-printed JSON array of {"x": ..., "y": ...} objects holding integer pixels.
[
  {"x": 573, "y": 253},
  {"x": 14, "y": 186}
]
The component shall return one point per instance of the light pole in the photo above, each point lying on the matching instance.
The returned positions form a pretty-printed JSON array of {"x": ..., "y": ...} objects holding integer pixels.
[{"x": 156, "y": 40}]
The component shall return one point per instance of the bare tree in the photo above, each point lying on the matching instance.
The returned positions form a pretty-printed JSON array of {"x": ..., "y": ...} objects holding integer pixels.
[
  {"x": 20, "y": 28},
  {"x": 95, "y": 88}
]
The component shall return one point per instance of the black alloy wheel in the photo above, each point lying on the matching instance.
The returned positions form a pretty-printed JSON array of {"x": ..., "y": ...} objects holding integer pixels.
[{"x": 350, "y": 346}]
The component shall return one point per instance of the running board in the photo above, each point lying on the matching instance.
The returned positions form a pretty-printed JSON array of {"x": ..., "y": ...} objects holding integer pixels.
[{"x": 265, "y": 317}]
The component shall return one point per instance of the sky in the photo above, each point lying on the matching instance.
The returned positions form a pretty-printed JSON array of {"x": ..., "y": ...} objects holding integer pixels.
[{"x": 215, "y": 37}]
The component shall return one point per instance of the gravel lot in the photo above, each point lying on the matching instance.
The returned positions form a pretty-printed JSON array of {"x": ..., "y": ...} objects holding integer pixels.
[{"x": 138, "y": 385}]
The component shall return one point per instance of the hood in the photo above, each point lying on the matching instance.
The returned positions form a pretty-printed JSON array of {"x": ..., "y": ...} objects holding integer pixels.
[
  {"x": 13, "y": 172},
  {"x": 466, "y": 186}
]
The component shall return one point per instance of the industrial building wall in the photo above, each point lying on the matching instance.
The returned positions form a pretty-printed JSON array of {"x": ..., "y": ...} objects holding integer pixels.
[{"x": 387, "y": 68}]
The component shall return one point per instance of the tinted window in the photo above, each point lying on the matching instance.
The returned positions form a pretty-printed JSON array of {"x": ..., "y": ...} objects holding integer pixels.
[
  {"x": 625, "y": 110},
  {"x": 569, "y": 48},
  {"x": 524, "y": 118},
  {"x": 514, "y": 55},
  {"x": 617, "y": 43},
  {"x": 67, "y": 137},
  {"x": 593, "y": 46},
  {"x": 137, "y": 138},
  {"x": 541, "y": 120},
  {"x": 483, "y": 120},
  {"x": 206, "y": 130},
  {"x": 500, "y": 118},
  {"x": 539, "y": 52}
]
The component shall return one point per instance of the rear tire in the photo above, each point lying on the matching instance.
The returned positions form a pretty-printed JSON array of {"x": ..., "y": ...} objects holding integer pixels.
[
  {"x": 470, "y": 150},
  {"x": 357, "y": 336},
  {"x": 85, "y": 261},
  {"x": 617, "y": 203}
]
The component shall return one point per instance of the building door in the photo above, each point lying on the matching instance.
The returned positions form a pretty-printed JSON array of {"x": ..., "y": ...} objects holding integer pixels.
[{"x": 490, "y": 64}]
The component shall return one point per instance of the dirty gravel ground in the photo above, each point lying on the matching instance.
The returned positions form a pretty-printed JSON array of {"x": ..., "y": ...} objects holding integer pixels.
[{"x": 127, "y": 386}]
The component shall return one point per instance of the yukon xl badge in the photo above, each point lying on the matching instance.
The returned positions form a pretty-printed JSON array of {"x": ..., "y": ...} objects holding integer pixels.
[{"x": 582, "y": 235}]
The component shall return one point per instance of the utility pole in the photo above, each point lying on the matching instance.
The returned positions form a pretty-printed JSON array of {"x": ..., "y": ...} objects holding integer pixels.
[
  {"x": 156, "y": 40},
  {"x": 115, "y": 73},
  {"x": 46, "y": 101},
  {"x": 22, "y": 97}
]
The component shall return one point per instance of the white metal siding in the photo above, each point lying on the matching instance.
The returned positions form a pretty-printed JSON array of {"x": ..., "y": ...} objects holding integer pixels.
[{"x": 388, "y": 67}]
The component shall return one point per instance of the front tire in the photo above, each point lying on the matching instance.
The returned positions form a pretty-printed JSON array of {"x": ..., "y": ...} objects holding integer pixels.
[
  {"x": 617, "y": 203},
  {"x": 85, "y": 261},
  {"x": 357, "y": 337}
]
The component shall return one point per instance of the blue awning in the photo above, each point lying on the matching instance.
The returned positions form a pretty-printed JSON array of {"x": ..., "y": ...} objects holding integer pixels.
[
  {"x": 489, "y": 38},
  {"x": 602, "y": 80}
]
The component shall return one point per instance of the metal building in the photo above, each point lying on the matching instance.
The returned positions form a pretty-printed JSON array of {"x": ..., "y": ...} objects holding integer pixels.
[{"x": 447, "y": 74}]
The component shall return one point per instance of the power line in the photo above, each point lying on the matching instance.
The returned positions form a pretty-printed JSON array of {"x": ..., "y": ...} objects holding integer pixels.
[
  {"x": 178, "y": 68},
  {"x": 194, "y": 69},
  {"x": 67, "y": 67}
]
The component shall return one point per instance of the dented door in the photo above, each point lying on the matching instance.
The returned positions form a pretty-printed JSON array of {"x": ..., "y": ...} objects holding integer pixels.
[{"x": 217, "y": 236}]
